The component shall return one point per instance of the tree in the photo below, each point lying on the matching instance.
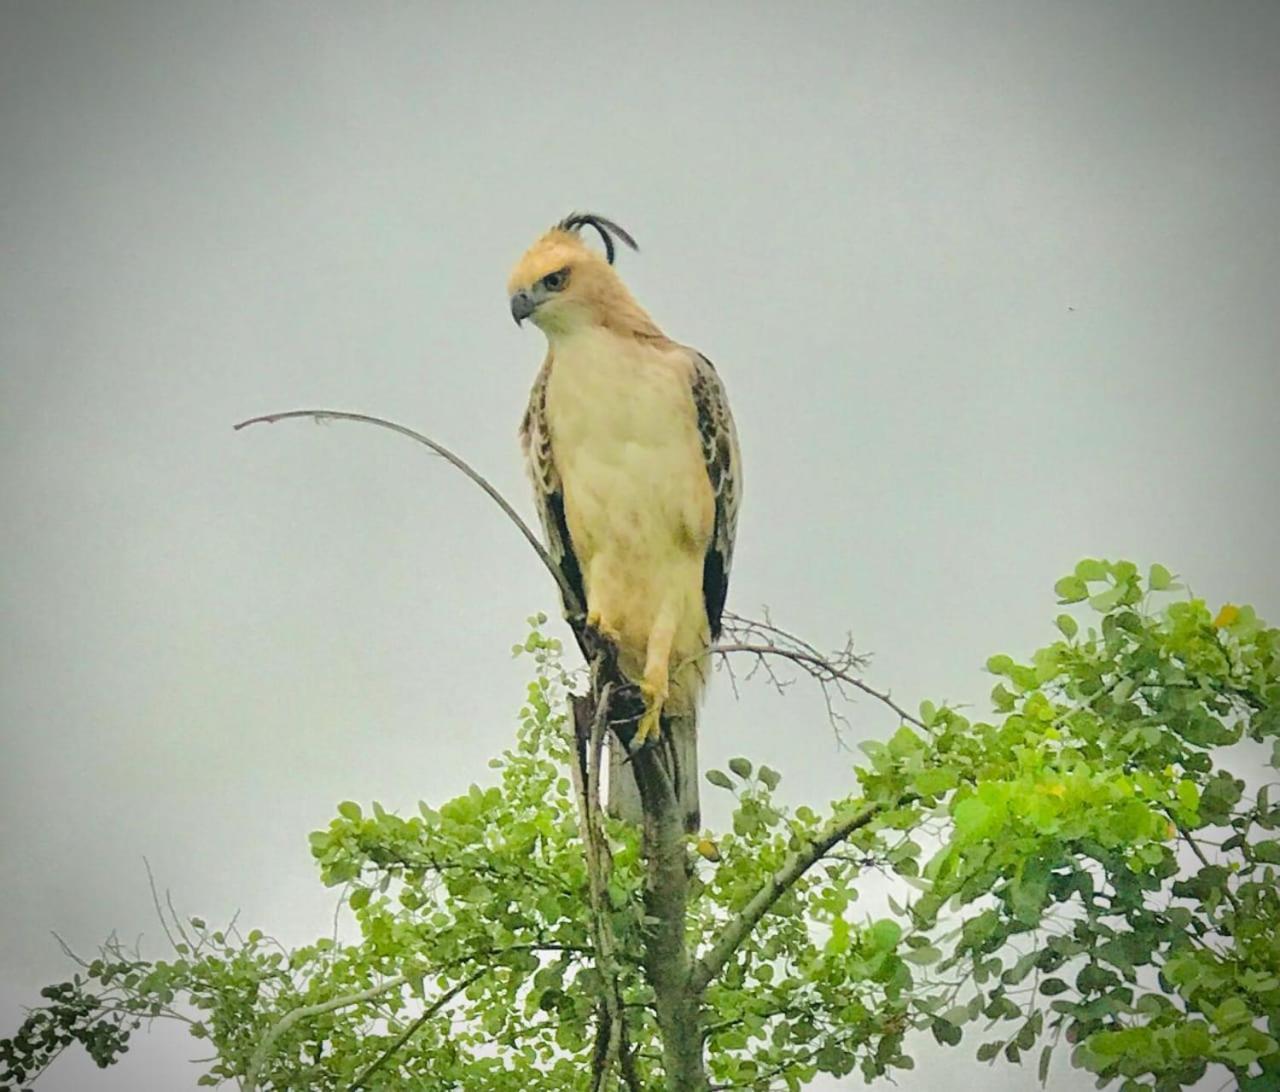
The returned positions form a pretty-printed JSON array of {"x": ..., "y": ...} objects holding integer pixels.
[{"x": 1082, "y": 865}]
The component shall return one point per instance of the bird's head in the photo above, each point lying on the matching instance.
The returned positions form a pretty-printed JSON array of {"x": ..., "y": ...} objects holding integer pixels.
[{"x": 563, "y": 285}]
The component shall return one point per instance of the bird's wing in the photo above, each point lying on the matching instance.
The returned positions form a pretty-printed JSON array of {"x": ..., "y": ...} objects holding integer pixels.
[
  {"x": 720, "y": 453},
  {"x": 548, "y": 492}
]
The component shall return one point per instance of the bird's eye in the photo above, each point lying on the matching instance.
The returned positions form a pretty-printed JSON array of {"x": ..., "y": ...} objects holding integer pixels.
[{"x": 553, "y": 282}]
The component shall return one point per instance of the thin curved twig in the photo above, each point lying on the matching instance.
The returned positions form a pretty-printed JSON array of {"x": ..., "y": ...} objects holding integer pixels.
[{"x": 570, "y": 597}]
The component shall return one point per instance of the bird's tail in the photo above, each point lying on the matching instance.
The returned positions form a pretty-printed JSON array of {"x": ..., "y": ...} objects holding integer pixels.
[{"x": 678, "y": 749}]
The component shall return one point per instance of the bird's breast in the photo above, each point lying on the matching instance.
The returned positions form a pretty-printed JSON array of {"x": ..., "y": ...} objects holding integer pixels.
[{"x": 624, "y": 437}]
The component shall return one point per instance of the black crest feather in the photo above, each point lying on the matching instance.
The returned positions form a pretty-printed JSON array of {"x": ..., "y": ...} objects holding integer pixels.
[{"x": 609, "y": 231}]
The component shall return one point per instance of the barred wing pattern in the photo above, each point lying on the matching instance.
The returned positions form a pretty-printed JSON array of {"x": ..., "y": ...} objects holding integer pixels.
[
  {"x": 548, "y": 493},
  {"x": 724, "y": 469}
]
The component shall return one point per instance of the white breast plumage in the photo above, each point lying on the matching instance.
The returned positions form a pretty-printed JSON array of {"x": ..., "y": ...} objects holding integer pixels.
[{"x": 625, "y": 437}]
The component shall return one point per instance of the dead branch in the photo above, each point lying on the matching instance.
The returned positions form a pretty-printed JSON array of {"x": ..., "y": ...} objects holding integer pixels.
[
  {"x": 571, "y": 600},
  {"x": 833, "y": 671}
]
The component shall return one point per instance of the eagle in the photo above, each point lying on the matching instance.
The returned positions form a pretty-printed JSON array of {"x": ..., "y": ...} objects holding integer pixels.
[{"x": 633, "y": 455}]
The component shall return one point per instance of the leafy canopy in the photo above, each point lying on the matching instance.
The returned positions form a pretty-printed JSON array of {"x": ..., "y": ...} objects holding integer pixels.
[{"x": 1090, "y": 863}]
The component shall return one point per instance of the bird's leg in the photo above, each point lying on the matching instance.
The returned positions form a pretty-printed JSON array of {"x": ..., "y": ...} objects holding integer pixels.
[
  {"x": 600, "y": 612},
  {"x": 602, "y": 637},
  {"x": 655, "y": 685}
]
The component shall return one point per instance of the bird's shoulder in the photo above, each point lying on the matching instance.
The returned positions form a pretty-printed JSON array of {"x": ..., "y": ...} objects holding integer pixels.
[{"x": 535, "y": 435}]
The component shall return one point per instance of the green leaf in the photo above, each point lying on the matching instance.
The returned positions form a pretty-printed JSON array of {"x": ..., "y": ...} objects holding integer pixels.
[
  {"x": 360, "y": 898},
  {"x": 884, "y": 935},
  {"x": 1091, "y": 569},
  {"x": 1159, "y": 578},
  {"x": 838, "y": 942},
  {"x": 1068, "y": 626},
  {"x": 770, "y": 777},
  {"x": 1071, "y": 589},
  {"x": 1268, "y": 852},
  {"x": 741, "y": 767},
  {"x": 935, "y": 781},
  {"x": 1192, "y": 1039},
  {"x": 1105, "y": 601},
  {"x": 349, "y": 809},
  {"x": 973, "y": 817},
  {"x": 719, "y": 779},
  {"x": 945, "y": 1032}
]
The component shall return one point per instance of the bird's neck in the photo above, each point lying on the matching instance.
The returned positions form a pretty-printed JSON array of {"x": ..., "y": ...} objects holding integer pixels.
[{"x": 623, "y": 318}]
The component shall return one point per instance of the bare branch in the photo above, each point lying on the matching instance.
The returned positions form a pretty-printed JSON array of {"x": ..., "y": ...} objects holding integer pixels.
[
  {"x": 232, "y": 930},
  {"x": 66, "y": 950},
  {"x": 155, "y": 901},
  {"x": 796, "y": 865},
  {"x": 832, "y": 671},
  {"x": 456, "y": 461},
  {"x": 177, "y": 923}
]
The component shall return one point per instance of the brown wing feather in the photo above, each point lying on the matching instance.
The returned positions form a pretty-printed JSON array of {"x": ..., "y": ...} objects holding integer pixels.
[
  {"x": 720, "y": 453},
  {"x": 548, "y": 493}
]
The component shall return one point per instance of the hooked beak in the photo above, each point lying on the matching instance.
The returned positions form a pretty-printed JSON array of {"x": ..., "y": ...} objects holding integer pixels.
[{"x": 522, "y": 306}]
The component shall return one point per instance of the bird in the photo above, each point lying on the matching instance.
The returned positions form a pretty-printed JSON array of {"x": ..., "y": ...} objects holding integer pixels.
[{"x": 633, "y": 455}]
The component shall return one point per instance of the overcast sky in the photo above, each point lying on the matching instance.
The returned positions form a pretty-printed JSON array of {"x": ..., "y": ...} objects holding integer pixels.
[{"x": 992, "y": 287}]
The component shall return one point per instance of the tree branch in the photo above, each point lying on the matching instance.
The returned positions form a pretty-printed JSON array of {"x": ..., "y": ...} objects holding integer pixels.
[
  {"x": 412, "y": 1029},
  {"x": 795, "y": 866},
  {"x": 1195, "y": 848},
  {"x": 570, "y": 598},
  {"x": 259, "y": 1058},
  {"x": 155, "y": 901},
  {"x": 764, "y": 639},
  {"x": 590, "y": 712}
]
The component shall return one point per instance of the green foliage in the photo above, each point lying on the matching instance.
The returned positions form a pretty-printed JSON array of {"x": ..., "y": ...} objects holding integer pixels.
[
  {"x": 1087, "y": 864},
  {"x": 1124, "y": 879}
]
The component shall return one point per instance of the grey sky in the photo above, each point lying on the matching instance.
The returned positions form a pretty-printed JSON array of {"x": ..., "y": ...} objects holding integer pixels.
[{"x": 992, "y": 286}]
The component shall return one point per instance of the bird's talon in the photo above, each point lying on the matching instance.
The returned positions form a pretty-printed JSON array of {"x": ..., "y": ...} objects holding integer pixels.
[{"x": 648, "y": 730}]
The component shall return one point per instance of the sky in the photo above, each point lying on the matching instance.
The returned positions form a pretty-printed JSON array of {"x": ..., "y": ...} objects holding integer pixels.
[{"x": 992, "y": 287}]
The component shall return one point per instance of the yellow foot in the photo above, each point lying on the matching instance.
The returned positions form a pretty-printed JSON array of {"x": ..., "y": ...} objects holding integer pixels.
[{"x": 650, "y": 726}]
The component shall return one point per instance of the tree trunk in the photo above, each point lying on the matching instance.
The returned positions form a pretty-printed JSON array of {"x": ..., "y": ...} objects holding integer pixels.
[
  {"x": 667, "y": 961},
  {"x": 657, "y": 780},
  {"x": 679, "y": 748}
]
